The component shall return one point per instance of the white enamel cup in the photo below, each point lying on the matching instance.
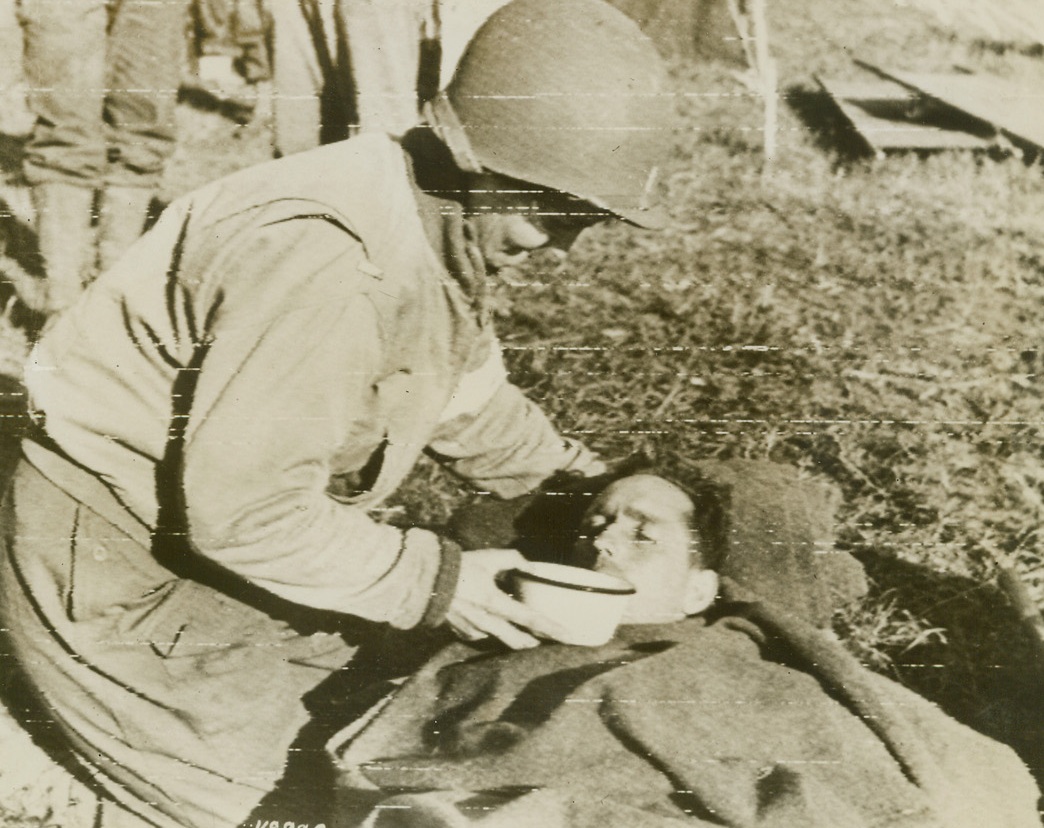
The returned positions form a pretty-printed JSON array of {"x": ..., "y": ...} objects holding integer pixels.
[{"x": 586, "y": 604}]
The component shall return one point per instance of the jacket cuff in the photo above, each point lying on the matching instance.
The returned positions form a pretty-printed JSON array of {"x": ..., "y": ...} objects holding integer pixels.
[{"x": 445, "y": 586}]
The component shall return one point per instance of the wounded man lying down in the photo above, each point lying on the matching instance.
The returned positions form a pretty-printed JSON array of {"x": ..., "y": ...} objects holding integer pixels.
[{"x": 742, "y": 715}]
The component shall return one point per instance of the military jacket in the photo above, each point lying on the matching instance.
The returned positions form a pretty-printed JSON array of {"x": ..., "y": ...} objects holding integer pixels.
[{"x": 269, "y": 362}]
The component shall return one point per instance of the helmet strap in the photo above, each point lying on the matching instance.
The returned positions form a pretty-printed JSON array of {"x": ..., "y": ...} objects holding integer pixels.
[{"x": 442, "y": 117}]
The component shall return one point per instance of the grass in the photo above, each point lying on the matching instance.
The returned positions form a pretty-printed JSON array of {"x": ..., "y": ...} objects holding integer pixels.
[{"x": 875, "y": 322}]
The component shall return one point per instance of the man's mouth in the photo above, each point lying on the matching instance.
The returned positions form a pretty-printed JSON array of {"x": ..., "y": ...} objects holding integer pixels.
[
  {"x": 500, "y": 260},
  {"x": 605, "y": 563}
]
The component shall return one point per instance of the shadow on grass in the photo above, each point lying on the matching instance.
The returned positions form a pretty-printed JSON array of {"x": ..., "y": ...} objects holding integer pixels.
[
  {"x": 831, "y": 131},
  {"x": 14, "y": 422},
  {"x": 986, "y": 674},
  {"x": 834, "y": 133},
  {"x": 26, "y": 707},
  {"x": 21, "y": 279},
  {"x": 17, "y": 239},
  {"x": 12, "y": 150},
  {"x": 21, "y": 275}
]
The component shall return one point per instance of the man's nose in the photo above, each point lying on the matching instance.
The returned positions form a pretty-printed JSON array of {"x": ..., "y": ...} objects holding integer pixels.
[
  {"x": 607, "y": 561},
  {"x": 608, "y": 540}
]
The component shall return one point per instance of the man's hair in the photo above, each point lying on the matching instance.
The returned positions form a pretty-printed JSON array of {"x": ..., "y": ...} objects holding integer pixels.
[
  {"x": 706, "y": 523},
  {"x": 546, "y": 525},
  {"x": 568, "y": 498}
]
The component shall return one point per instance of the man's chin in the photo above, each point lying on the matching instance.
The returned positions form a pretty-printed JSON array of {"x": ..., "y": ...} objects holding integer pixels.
[
  {"x": 527, "y": 266},
  {"x": 652, "y": 616},
  {"x": 499, "y": 261}
]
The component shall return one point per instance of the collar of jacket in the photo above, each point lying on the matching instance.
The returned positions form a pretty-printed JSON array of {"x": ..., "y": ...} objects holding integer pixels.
[{"x": 438, "y": 187}]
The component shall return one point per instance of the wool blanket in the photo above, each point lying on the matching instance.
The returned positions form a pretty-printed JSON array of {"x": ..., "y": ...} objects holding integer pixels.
[{"x": 749, "y": 717}]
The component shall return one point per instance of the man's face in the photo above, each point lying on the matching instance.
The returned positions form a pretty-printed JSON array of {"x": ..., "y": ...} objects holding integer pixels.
[
  {"x": 512, "y": 219},
  {"x": 639, "y": 529}
]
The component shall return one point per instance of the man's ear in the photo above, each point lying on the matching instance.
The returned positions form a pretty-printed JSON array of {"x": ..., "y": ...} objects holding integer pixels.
[{"x": 701, "y": 589}]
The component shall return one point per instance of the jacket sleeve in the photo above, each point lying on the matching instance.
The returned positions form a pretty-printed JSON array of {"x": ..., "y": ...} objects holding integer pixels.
[
  {"x": 284, "y": 376},
  {"x": 494, "y": 437}
]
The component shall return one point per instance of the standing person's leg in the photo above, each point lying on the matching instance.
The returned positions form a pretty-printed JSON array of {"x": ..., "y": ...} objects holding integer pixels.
[
  {"x": 220, "y": 50},
  {"x": 304, "y": 60},
  {"x": 214, "y": 23},
  {"x": 384, "y": 49},
  {"x": 146, "y": 55},
  {"x": 253, "y": 35},
  {"x": 297, "y": 79},
  {"x": 64, "y": 60},
  {"x": 15, "y": 117}
]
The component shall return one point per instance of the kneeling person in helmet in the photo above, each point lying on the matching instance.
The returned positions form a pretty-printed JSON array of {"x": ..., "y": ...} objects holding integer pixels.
[{"x": 190, "y": 553}]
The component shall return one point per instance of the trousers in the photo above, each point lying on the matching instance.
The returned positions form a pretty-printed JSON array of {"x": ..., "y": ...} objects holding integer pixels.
[
  {"x": 186, "y": 707},
  {"x": 347, "y": 66},
  {"x": 344, "y": 66},
  {"x": 237, "y": 28},
  {"x": 103, "y": 79}
]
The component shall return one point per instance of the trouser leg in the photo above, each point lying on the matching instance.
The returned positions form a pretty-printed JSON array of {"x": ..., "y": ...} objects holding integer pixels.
[
  {"x": 304, "y": 65},
  {"x": 64, "y": 64},
  {"x": 296, "y": 78},
  {"x": 65, "y": 156},
  {"x": 122, "y": 212},
  {"x": 65, "y": 239},
  {"x": 460, "y": 21},
  {"x": 214, "y": 27},
  {"x": 384, "y": 52},
  {"x": 253, "y": 35},
  {"x": 15, "y": 117},
  {"x": 146, "y": 54},
  {"x": 180, "y": 702}
]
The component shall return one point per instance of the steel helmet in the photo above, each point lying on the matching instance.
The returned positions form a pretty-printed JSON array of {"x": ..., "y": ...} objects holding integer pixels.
[{"x": 569, "y": 95}]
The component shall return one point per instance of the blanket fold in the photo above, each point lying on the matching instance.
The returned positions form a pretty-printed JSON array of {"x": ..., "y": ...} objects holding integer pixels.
[{"x": 749, "y": 717}]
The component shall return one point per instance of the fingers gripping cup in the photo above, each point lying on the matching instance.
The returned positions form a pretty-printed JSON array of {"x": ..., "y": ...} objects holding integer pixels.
[{"x": 587, "y": 605}]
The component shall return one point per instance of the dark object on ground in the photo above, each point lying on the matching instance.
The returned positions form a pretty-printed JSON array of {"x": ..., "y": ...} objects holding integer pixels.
[
  {"x": 1010, "y": 108},
  {"x": 889, "y": 116}
]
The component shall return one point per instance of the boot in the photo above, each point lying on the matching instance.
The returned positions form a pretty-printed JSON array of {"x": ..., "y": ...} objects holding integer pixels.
[
  {"x": 63, "y": 231},
  {"x": 121, "y": 218}
]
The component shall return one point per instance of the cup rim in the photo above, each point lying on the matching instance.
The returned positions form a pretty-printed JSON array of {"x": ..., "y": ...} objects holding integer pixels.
[{"x": 604, "y": 590}]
